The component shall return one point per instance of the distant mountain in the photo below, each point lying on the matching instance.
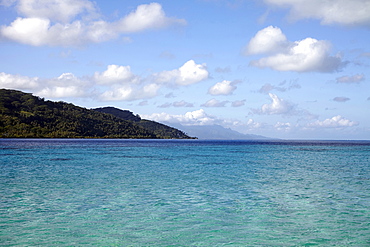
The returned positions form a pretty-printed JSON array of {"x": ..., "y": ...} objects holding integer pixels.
[
  {"x": 216, "y": 132},
  {"x": 23, "y": 115}
]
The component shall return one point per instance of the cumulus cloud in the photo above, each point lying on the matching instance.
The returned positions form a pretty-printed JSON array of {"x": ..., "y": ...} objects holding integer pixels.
[
  {"x": 341, "y": 99},
  {"x": 120, "y": 84},
  {"x": 268, "y": 40},
  {"x": 187, "y": 74},
  {"x": 351, "y": 79},
  {"x": 66, "y": 85},
  {"x": 277, "y": 106},
  {"x": 334, "y": 122},
  {"x": 116, "y": 74},
  {"x": 252, "y": 124},
  {"x": 343, "y": 12},
  {"x": 116, "y": 83},
  {"x": 215, "y": 103},
  {"x": 301, "y": 56},
  {"x": 54, "y": 23},
  {"x": 198, "y": 117},
  {"x": 283, "y": 126},
  {"x": 146, "y": 16},
  {"x": 130, "y": 92},
  {"x": 10, "y": 81},
  {"x": 223, "y": 88}
]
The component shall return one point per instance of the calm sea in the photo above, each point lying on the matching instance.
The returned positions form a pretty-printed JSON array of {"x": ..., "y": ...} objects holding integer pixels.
[{"x": 184, "y": 193}]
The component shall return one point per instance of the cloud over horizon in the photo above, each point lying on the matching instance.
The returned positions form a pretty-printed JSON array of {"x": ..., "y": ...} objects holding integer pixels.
[
  {"x": 116, "y": 83},
  {"x": 334, "y": 122}
]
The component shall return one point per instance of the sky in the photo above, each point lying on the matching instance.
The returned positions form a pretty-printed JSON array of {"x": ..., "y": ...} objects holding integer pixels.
[{"x": 290, "y": 69}]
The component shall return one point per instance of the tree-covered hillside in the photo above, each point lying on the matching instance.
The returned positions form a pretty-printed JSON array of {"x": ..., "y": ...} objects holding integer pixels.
[
  {"x": 157, "y": 128},
  {"x": 23, "y": 115},
  {"x": 124, "y": 114}
]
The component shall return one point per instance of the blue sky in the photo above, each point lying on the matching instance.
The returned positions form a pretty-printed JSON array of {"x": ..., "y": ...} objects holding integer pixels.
[{"x": 290, "y": 69}]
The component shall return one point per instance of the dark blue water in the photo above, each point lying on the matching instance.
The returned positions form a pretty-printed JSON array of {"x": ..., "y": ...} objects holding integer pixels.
[{"x": 184, "y": 193}]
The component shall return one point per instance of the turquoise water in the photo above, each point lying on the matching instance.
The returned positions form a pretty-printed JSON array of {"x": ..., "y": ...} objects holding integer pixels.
[{"x": 184, "y": 193}]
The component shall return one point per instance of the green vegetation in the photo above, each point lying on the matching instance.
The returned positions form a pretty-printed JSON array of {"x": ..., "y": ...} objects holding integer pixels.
[
  {"x": 158, "y": 129},
  {"x": 23, "y": 115}
]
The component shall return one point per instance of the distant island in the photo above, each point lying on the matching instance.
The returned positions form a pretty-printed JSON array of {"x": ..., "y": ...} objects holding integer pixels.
[
  {"x": 216, "y": 132},
  {"x": 23, "y": 115}
]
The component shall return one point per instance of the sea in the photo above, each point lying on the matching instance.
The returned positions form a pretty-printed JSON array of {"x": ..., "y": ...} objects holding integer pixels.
[{"x": 98, "y": 192}]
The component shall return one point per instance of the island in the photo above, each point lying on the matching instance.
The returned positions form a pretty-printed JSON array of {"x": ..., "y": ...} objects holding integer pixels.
[{"x": 23, "y": 115}]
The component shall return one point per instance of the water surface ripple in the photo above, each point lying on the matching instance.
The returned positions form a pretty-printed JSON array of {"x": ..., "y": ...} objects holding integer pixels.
[{"x": 184, "y": 193}]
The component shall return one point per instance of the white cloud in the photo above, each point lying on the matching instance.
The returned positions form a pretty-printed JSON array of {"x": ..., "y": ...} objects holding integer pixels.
[
  {"x": 32, "y": 31},
  {"x": 66, "y": 85},
  {"x": 301, "y": 56},
  {"x": 252, "y": 124},
  {"x": 61, "y": 92},
  {"x": 277, "y": 106},
  {"x": 334, "y": 122},
  {"x": 146, "y": 16},
  {"x": 37, "y": 27},
  {"x": 223, "y": 88},
  {"x": 198, "y": 117},
  {"x": 116, "y": 83},
  {"x": 130, "y": 92},
  {"x": 283, "y": 126},
  {"x": 10, "y": 81},
  {"x": 191, "y": 73},
  {"x": 215, "y": 103},
  {"x": 40, "y": 32},
  {"x": 343, "y": 12},
  {"x": 116, "y": 74},
  {"x": 187, "y": 74},
  {"x": 351, "y": 79},
  {"x": 268, "y": 40}
]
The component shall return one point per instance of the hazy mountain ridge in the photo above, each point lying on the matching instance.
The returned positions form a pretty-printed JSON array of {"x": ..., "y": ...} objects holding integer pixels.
[{"x": 216, "y": 132}]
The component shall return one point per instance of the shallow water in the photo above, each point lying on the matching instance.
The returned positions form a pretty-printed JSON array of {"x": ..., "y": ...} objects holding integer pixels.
[{"x": 184, "y": 193}]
